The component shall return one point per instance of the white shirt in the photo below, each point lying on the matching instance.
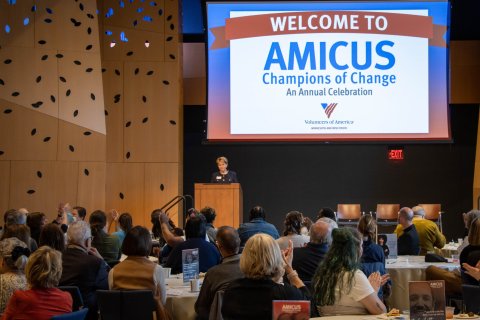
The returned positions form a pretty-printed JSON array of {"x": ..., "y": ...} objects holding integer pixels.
[
  {"x": 349, "y": 302},
  {"x": 298, "y": 241}
]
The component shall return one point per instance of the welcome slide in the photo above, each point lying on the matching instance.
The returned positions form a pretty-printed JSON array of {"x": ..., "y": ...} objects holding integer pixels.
[{"x": 330, "y": 71}]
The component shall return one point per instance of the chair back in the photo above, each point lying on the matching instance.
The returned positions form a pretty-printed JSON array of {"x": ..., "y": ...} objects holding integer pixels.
[
  {"x": 387, "y": 213},
  {"x": 123, "y": 305},
  {"x": 75, "y": 315},
  {"x": 471, "y": 298},
  {"x": 348, "y": 214},
  {"x": 76, "y": 296}
]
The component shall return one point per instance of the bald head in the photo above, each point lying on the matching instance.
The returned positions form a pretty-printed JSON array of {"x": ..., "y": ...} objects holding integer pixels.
[
  {"x": 405, "y": 217},
  {"x": 418, "y": 211},
  {"x": 321, "y": 232}
]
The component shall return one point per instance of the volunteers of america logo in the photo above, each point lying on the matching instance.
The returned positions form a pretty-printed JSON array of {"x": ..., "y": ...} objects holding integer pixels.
[{"x": 328, "y": 108}]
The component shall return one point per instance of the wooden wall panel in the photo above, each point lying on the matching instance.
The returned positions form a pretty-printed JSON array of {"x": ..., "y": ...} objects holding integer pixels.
[
  {"x": 114, "y": 97},
  {"x": 464, "y": 71},
  {"x": 4, "y": 185},
  {"x": 20, "y": 19},
  {"x": 141, "y": 15},
  {"x": 125, "y": 189},
  {"x": 80, "y": 144},
  {"x": 161, "y": 185},
  {"x": 67, "y": 25},
  {"x": 91, "y": 185},
  {"x": 41, "y": 185},
  {"x": 81, "y": 90},
  {"x": 134, "y": 49},
  {"x": 151, "y": 113},
  {"x": 172, "y": 17},
  {"x": 30, "y": 78},
  {"x": 26, "y": 134}
]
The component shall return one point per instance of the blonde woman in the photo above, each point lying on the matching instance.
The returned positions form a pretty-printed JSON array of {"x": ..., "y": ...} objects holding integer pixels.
[
  {"x": 263, "y": 265},
  {"x": 42, "y": 301},
  {"x": 223, "y": 175}
]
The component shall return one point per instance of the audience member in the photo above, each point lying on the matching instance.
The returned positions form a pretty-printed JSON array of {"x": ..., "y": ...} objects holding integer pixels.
[
  {"x": 21, "y": 232},
  {"x": 123, "y": 224},
  {"x": 471, "y": 254},
  {"x": 79, "y": 213},
  {"x": 14, "y": 254},
  {"x": 162, "y": 229},
  {"x": 408, "y": 242},
  {"x": 220, "y": 276},
  {"x": 373, "y": 257},
  {"x": 263, "y": 265},
  {"x": 137, "y": 272},
  {"x": 53, "y": 237},
  {"x": 6, "y": 217},
  {"x": 210, "y": 216},
  {"x": 36, "y": 221},
  {"x": 453, "y": 279},
  {"x": 473, "y": 271},
  {"x": 293, "y": 227},
  {"x": 15, "y": 217},
  {"x": 257, "y": 224},
  {"x": 306, "y": 225},
  {"x": 42, "y": 301},
  {"x": 195, "y": 232},
  {"x": 327, "y": 213},
  {"x": 340, "y": 287},
  {"x": 107, "y": 245},
  {"x": 306, "y": 259},
  {"x": 64, "y": 216},
  {"x": 83, "y": 266},
  {"x": 428, "y": 233}
]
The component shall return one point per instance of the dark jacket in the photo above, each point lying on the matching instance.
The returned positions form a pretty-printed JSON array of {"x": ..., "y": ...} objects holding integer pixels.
[
  {"x": 89, "y": 273},
  {"x": 409, "y": 243},
  {"x": 252, "y": 299},
  {"x": 208, "y": 255},
  {"x": 373, "y": 260},
  {"x": 306, "y": 259},
  {"x": 254, "y": 226}
]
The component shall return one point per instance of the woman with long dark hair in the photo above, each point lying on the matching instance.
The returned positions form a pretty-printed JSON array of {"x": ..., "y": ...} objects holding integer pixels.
[
  {"x": 340, "y": 287},
  {"x": 107, "y": 245}
]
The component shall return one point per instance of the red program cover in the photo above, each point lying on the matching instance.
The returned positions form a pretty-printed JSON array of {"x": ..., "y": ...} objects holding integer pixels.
[{"x": 291, "y": 310}]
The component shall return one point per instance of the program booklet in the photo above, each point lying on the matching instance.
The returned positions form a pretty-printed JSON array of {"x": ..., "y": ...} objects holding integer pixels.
[
  {"x": 427, "y": 300},
  {"x": 291, "y": 310},
  {"x": 190, "y": 264}
]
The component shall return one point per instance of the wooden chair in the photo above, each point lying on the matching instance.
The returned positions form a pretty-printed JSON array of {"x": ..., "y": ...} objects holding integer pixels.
[
  {"x": 433, "y": 212},
  {"x": 348, "y": 214},
  {"x": 387, "y": 217}
]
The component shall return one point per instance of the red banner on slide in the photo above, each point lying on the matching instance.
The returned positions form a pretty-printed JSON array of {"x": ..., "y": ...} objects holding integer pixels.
[{"x": 317, "y": 22}]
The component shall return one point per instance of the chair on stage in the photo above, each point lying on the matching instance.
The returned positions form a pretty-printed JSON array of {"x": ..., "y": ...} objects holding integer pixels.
[
  {"x": 433, "y": 212},
  {"x": 348, "y": 214},
  {"x": 387, "y": 216},
  {"x": 123, "y": 305}
]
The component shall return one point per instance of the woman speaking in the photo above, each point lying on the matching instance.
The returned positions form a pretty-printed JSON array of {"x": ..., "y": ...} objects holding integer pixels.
[{"x": 223, "y": 175}]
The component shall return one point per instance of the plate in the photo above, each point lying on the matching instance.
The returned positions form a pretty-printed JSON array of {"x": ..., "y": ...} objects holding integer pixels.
[{"x": 466, "y": 316}]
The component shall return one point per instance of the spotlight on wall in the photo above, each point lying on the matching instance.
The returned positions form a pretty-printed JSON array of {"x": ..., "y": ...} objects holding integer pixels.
[
  {"x": 112, "y": 44},
  {"x": 147, "y": 44}
]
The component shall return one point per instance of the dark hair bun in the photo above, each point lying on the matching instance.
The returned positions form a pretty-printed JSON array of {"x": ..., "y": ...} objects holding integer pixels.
[{"x": 18, "y": 251}]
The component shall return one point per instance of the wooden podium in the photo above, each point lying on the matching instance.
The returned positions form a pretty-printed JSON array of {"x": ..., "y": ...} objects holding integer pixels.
[{"x": 226, "y": 199}]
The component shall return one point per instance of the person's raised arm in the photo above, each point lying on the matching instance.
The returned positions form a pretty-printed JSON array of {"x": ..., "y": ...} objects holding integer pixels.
[
  {"x": 171, "y": 239},
  {"x": 113, "y": 219},
  {"x": 292, "y": 275},
  {"x": 371, "y": 302}
]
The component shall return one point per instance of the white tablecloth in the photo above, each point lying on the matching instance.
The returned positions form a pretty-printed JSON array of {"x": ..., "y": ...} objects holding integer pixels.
[
  {"x": 405, "y": 269},
  {"x": 180, "y": 300}
]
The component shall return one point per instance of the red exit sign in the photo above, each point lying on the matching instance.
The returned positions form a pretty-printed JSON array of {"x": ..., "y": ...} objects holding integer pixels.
[{"x": 395, "y": 154}]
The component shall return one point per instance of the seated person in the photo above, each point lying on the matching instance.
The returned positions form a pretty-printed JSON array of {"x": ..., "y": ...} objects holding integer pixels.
[
  {"x": 107, "y": 245},
  {"x": 122, "y": 222},
  {"x": 220, "y": 276},
  {"x": 137, "y": 272},
  {"x": 408, "y": 242},
  {"x": 340, "y": 287},
  {"x": 293, "y": 229},
  {"x": 83, "y": 266},
  {"x": 373, "y": 258},
  {"x": 306, "y": 259},
  {"x": 53, "y": 237},
  {"x": 195, "y": 232},
  {"x": 428, "y": 233},
  {"x": 471, "y": 254},
  {"x": 210, "y": 216},
  {"x": 263, "y": 265},
  {"x": 14, "y": 254},
  {"x": 326, "y": 213},
  {"x": 42, "y": 301},
  {"x": 256, "y": 224}
]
